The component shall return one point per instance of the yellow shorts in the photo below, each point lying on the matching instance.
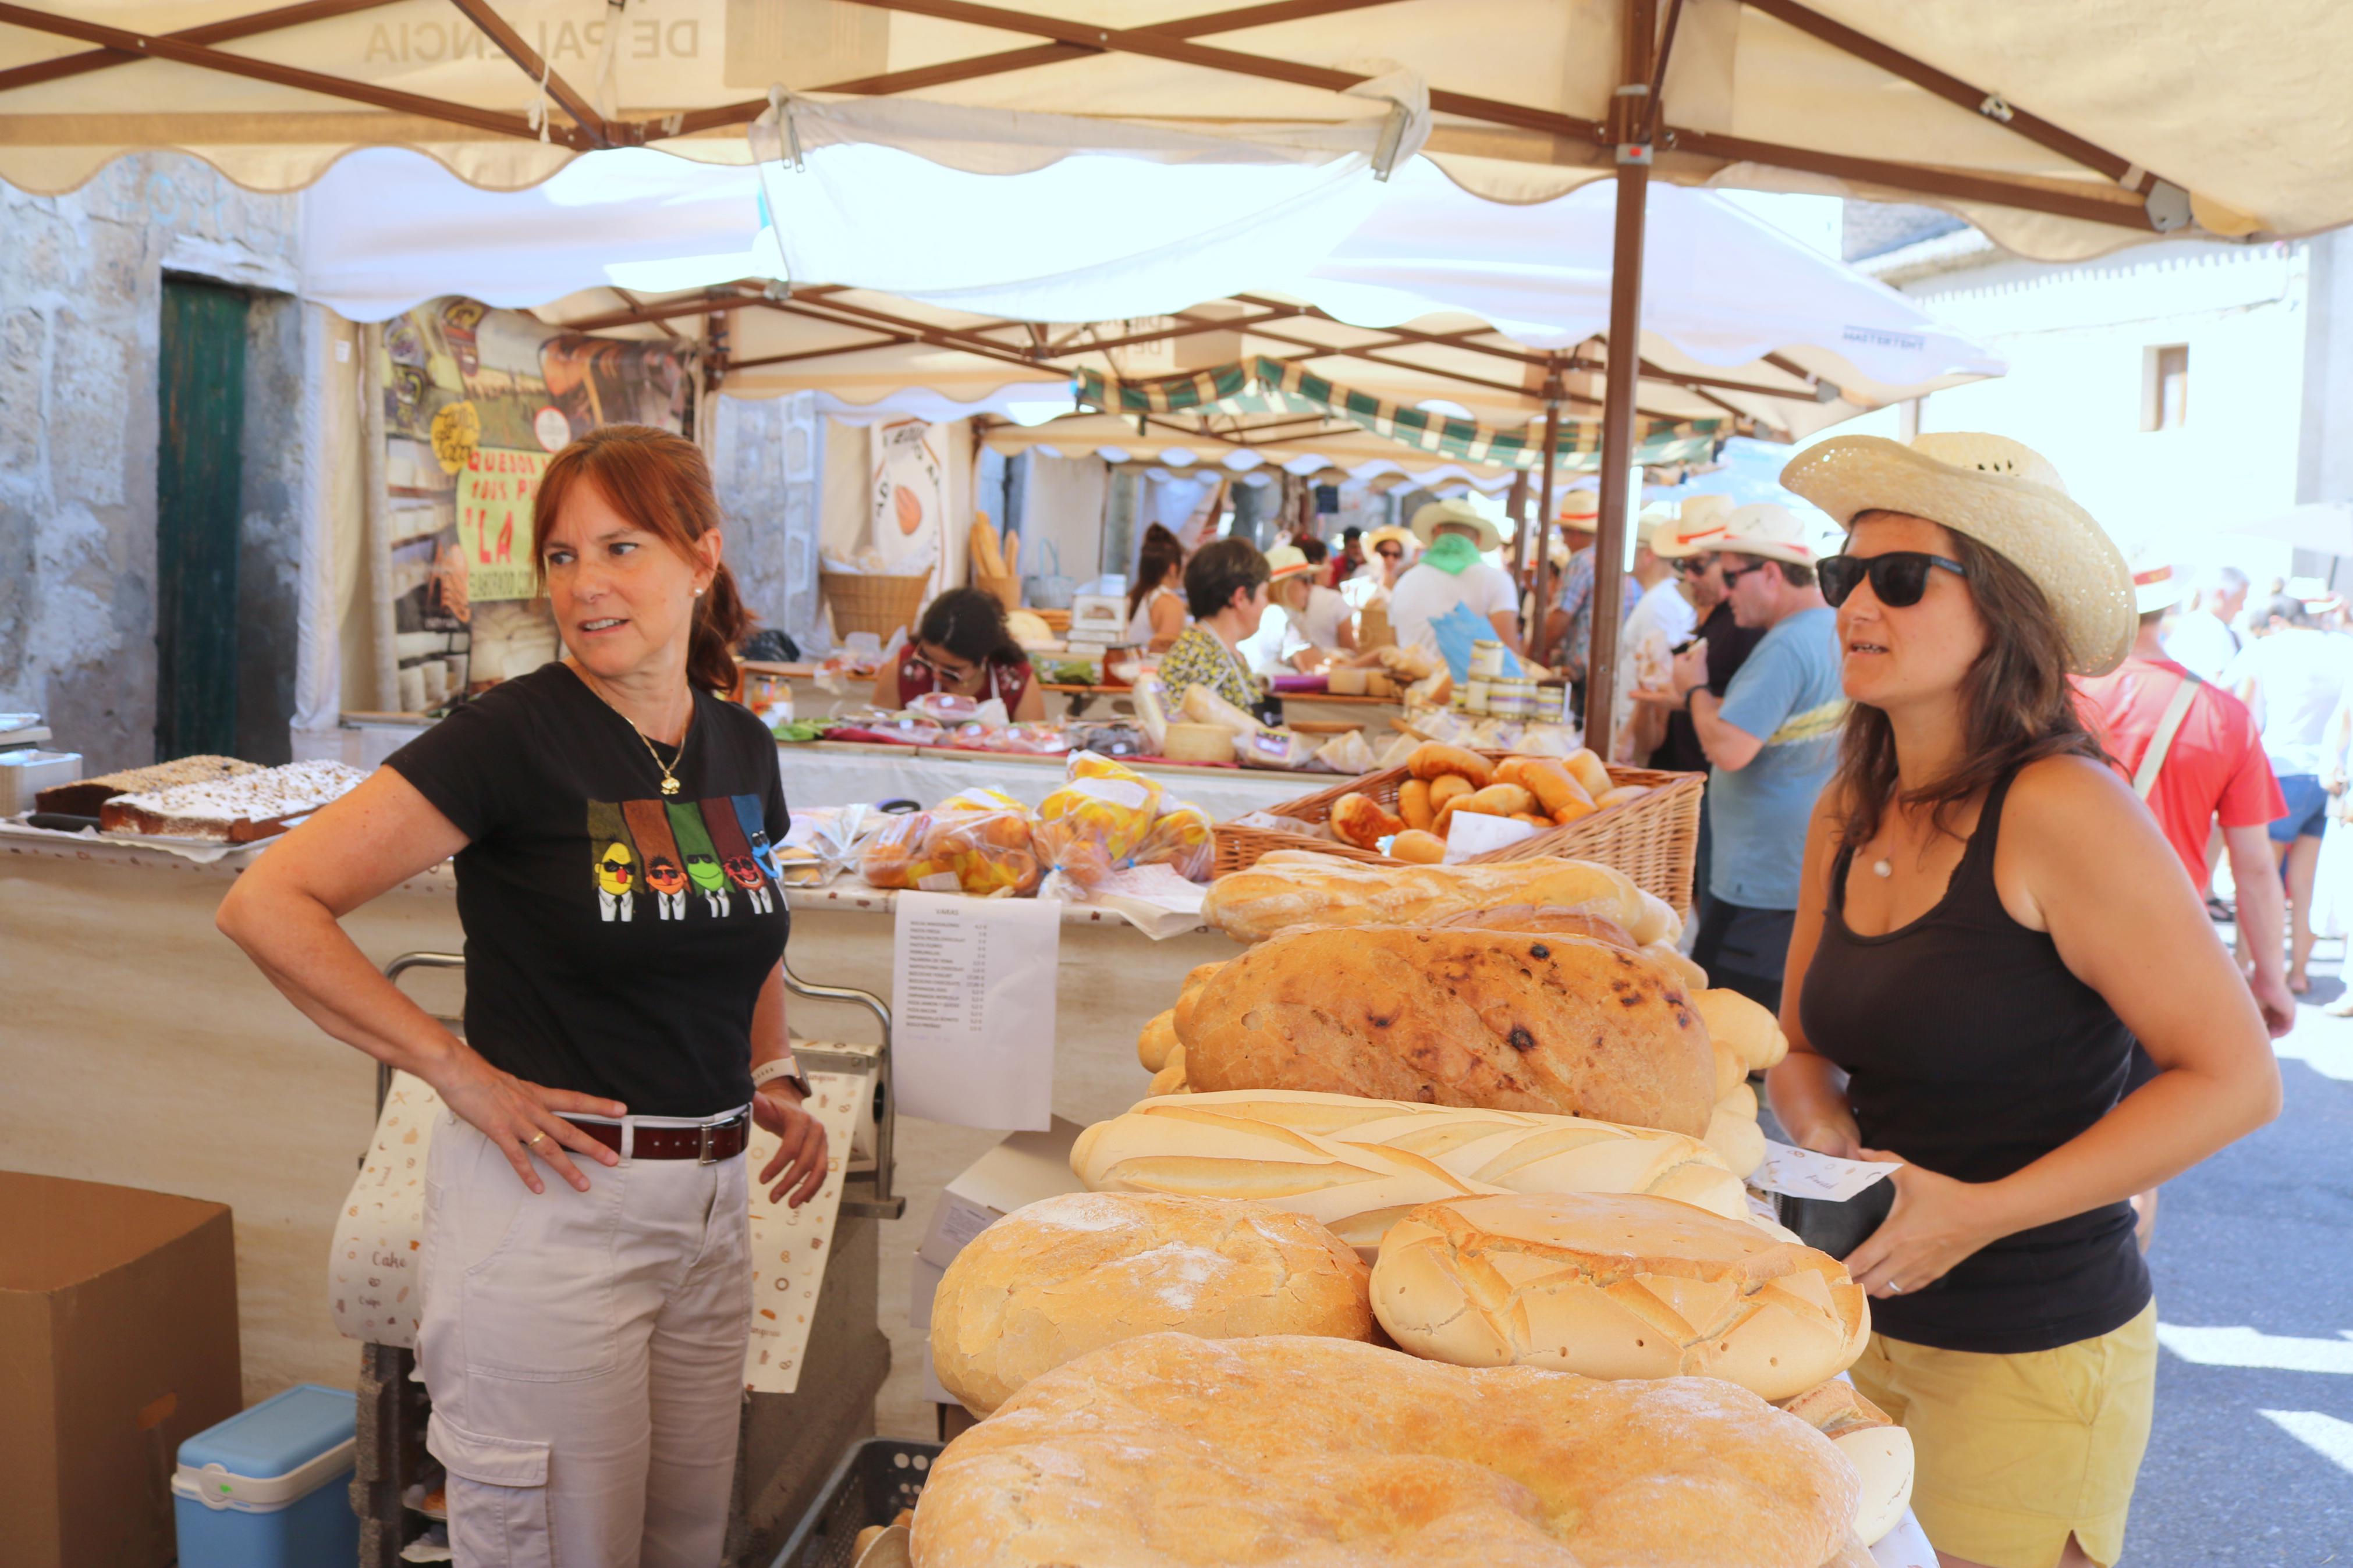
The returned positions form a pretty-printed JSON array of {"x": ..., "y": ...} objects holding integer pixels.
[{"x": 2014, "y": 1452}]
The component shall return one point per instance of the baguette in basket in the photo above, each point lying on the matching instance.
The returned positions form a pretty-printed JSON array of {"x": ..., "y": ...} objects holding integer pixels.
[{"x": 1300, "y": 888}]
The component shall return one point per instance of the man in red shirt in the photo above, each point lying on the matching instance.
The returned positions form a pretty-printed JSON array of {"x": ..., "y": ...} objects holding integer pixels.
[{"x": 2213, "y": 769}]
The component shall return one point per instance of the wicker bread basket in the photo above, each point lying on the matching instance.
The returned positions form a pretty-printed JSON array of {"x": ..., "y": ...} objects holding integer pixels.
[
  {"x": 1653, "y": 840},
  {"x": 1006, "y": 591},
  {"x": 870, "y": 604}
]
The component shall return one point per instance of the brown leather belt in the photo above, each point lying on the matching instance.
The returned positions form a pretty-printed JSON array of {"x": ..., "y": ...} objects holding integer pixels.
[{"x": 704, "y": 1145}]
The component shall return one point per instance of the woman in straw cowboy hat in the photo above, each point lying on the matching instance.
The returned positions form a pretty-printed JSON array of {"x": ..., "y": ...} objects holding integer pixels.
[{"x": 1989, "y": 919}]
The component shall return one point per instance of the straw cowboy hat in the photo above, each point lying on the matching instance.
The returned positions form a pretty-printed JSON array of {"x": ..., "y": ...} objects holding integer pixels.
[
  {"x": 1657, "y": 520},
  {"x": 1581, "y": 511},
  {"x": 1426, "y": 521},
  {"x": 1287, "y": 560},
  {"x": 1698, "y": 529},
  {"x": 2007, "y": 498},
  {"x": 1400, "y": 537}
]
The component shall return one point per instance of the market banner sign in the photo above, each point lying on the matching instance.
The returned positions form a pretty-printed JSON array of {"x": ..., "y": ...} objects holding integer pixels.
[
  {"x": 908, "y": 492},
  {"x": 1268, "y": 385},
  {"x": 494, "y": 496}
]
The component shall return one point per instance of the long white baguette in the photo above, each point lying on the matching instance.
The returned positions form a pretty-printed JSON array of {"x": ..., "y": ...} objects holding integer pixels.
[{"x": 1357, "y": 1165}]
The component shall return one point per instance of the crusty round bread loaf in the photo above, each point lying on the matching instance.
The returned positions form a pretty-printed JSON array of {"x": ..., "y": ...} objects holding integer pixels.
[
  {"x": 1173, "y": 1452},
  {"x": 1358, "y": 1165},
  {"x": 1560, "y": 1024},
  {"x": 1617, "y": 1286},
  {"x": 1157, "y": 1040},
  {"x": 1062, "y": 1277},
  {"x": 1532, "y": 918},
  {"x": 1880, "y": 1451}
]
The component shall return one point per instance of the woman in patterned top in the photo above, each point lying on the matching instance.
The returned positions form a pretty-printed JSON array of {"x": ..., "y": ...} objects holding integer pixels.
[{"x": 1225, "y": 590}]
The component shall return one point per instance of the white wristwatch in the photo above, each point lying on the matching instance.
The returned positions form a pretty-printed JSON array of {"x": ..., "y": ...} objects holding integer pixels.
[{"x": 782, "y": 1067}]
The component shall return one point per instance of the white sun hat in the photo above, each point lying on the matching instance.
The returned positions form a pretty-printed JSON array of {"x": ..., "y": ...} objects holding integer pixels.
[
  {"x": 1698, "y": 529},
  {"x": 2002, "y": 494},
  {"x": 1761, "y": 529},
  {"x": 2156, "y": 584},
  {"x": 1426, "y": 521},
  {"x": 1287, "y": 560}
]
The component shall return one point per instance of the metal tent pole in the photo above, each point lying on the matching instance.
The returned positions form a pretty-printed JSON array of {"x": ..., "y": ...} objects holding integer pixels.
[
  {"x": 1633, "y": 118},
  {"x": 1536, "y": 645}
]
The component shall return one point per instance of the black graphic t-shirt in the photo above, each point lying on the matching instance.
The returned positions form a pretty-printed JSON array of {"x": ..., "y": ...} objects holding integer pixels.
[{"x": 616, "y": 938}]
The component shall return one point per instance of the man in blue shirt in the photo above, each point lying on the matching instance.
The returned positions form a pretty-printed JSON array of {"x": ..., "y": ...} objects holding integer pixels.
[{"x": 1771, "y": 742}]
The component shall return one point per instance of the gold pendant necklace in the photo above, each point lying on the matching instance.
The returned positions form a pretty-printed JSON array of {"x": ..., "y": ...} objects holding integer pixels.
[{"x": 670, "y": 779}]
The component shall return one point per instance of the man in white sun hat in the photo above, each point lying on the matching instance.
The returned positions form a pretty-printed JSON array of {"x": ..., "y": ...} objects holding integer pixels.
[
  {"x": 1660, "y": 621},
  {"x": 1771, "y": 739},
  {"x": 1990, "y": 923},
  {"x": 1454, "y": 534}
]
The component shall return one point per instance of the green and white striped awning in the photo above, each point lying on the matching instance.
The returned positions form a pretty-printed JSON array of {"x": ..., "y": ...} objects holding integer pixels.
[{"x": 1268, "y": 385}]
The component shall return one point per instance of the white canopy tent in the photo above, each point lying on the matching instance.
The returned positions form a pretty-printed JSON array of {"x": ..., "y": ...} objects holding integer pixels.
[{"x": 1432, "y": 294}]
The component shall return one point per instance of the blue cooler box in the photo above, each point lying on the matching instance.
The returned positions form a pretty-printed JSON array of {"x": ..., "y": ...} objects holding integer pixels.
[{"x": 267, "y": 1489}]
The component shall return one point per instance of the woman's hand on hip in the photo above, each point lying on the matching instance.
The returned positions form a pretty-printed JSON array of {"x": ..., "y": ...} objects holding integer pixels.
[
  {"x": 800, "y": 1150},
  {"x": 1935, "y": 1223},
  {"x": 524, "y": 1119}
]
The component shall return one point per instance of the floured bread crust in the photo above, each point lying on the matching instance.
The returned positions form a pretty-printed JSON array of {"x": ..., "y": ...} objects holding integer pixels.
[{"x": 1169, "y": 1451}]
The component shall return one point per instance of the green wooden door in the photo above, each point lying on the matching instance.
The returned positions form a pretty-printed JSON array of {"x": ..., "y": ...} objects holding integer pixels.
[{"x": 201, "y": 388}]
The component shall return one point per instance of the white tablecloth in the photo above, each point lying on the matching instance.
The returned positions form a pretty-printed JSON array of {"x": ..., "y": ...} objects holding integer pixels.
[{"x": 821, "y": 774}]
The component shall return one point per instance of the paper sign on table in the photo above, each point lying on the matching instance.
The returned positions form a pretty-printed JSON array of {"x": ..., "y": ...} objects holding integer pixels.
[
  {"x": 1470, "y": 833},
  {"x": 1157, "y": 900},
  {"x": 971, "y": 1009},
  {"x": 1803, "y": 1173},
  {"x": 790, "y": 1245}
]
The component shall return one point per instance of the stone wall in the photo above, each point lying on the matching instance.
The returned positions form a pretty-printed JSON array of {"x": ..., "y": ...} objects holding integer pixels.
[{"x": 81, "y": 301}]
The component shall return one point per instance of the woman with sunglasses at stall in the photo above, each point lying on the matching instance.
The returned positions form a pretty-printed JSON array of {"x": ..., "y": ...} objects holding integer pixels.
[
  {"x": 1989, "y": 919},
  {"x": 963, "y": 648}
]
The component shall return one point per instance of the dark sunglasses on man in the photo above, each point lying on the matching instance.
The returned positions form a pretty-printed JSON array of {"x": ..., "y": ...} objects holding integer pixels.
[
  {"x": 1693, "y": 565},
  {"x": 1898, "y": 578},
  {"x": 1390, "y": 552}
]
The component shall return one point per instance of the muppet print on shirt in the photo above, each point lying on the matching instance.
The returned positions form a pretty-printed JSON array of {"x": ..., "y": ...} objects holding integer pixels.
[{"x": 716, "y": 850}]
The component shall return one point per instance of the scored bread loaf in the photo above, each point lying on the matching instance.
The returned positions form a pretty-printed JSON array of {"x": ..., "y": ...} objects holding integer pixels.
[
  {"x": 1562, "y": 1025},
  {"x": 1052, "y": 1281},
  {"x": 1880, "y": 1451},
  {"x": 1168, "y": 1451},
  {"x": 1300, "y": 888},
  {"x": 1357, "y": 1165},
  {"x": 1529, "y": 918},
  {"x": 1612, "y": 1285}
]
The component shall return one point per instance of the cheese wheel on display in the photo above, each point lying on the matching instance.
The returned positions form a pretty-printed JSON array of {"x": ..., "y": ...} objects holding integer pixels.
[
  {"x": 1052, "y": 1281},
  {"x": 1169, "y": 1451},
  {"x": 1880, "y": 1451},
  {"x": 1617, "y": 1286},
  {"x": 1356, "y": 1165},
  {"x": 1345, "y": 680},
  {"x": 1189, "y": 742}
]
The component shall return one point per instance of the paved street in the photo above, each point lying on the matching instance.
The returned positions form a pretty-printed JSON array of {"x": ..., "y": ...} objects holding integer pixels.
[{"x": 2251, "y": 1461}]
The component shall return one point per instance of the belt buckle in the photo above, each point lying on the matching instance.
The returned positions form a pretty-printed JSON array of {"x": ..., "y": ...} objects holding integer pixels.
[{"x": 702, "y": 1156}]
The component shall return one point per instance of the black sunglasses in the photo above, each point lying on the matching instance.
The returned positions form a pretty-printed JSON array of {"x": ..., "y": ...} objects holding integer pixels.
[
  {"x": 1693, "y": 565},
  {"x": 1898, "y": 578},
  {"x": 1731, "y": 576}
]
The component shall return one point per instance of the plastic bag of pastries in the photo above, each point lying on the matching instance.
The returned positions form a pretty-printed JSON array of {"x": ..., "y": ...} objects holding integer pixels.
[
  {"x": 1183, "y": 839},
  {"x": 1097, "y": 820},
  {"x": 974, "y": 842}
]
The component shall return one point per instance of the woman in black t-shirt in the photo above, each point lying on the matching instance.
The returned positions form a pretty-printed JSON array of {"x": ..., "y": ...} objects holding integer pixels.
[{"x": 612, "y": 823}]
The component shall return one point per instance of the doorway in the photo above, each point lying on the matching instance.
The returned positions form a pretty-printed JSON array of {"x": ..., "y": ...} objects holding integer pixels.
[{"x": 199, "y": 477}]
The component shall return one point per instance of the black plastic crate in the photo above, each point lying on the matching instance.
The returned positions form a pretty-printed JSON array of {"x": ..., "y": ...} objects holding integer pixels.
[{"x": 872, "y": 1483}]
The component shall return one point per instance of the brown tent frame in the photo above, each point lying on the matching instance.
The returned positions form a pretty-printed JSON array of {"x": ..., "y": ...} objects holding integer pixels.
[{"x": 1636, "y": 128}]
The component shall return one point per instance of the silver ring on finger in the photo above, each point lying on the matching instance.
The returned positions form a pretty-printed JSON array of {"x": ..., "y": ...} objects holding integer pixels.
[{"x": 1894, "y": 1289}]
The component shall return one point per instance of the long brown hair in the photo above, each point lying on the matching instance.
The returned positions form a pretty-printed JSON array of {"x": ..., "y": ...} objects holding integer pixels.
[
  {"x": 2017, "y": 706},
  {"x": 1160, "y": 555},
  {"x": 661, "y": 483}
]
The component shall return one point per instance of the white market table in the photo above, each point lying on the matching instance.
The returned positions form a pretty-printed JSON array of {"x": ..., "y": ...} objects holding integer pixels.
[{"x": 143, "y": 1048}]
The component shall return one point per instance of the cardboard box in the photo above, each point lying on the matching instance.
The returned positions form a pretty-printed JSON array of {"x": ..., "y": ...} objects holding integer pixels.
[
  {"x": 1026, "y": 1167},
  {"x": 117, "y": 1342},
  {"x": 922, "y": 1287}
]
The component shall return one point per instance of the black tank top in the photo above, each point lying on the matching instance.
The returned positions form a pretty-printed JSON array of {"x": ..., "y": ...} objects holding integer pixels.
[{"x": 1972, "y": 1051}]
